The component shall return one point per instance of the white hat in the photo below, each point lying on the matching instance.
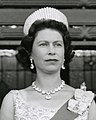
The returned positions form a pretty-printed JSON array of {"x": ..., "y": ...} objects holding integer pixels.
[{"x": 46, "y": 13}]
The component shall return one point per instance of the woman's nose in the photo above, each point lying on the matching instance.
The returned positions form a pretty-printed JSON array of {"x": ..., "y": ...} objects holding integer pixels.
[{"x": 51, "y": 50}]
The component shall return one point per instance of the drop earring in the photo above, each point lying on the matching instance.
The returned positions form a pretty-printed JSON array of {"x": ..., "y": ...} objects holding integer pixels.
[
  {"x": 63, "y": 67},
  {"x": 32, "y": 66}
]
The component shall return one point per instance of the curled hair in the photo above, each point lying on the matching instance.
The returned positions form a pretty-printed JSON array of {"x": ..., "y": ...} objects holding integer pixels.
[{"x": 25, "y": 48}]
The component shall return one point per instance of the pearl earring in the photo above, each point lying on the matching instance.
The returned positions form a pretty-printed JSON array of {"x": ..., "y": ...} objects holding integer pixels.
[
  {"x": 63, "y": 67},
  {"x": 32, "y": 66}
]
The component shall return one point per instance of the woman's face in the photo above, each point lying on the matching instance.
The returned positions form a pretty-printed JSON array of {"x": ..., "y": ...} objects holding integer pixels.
[{"x": 48, "y": 51}]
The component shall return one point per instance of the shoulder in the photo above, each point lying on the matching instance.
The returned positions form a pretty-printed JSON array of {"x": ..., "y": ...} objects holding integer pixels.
[
  {"x": 92, "y": 111},
  {"x": 26, "y": 90},
  {"x": 8, "y": 97},
  {"x": 68, "y": 87},
  {"x": 24, "y": 93},
  {"x": 69, "y": 90},
  {"x": 8, "y": 100},
  {"x": 7, "y": 108}
]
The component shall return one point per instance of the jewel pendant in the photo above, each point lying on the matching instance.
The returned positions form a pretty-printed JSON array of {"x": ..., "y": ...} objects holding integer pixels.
[{"x": 48, "y": 97}]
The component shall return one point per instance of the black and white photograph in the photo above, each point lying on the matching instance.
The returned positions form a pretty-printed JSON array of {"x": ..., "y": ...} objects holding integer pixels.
[{"x": 47, "y": 60}]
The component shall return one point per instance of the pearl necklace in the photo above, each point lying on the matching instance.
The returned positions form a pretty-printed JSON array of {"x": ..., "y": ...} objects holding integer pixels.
[{"x": 47, "y": 93}]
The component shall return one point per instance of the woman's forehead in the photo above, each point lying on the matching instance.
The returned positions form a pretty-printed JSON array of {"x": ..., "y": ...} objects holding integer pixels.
[{"x": 48, "y": 34}]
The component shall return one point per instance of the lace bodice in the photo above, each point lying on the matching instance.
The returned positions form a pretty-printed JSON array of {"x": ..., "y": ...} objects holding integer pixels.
[
  {"x": 79, "y": 104},
  {"x": 24, "y": 111}
]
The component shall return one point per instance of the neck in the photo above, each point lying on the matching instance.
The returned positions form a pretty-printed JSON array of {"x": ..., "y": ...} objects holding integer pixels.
[{"x": 48, "y": 81}]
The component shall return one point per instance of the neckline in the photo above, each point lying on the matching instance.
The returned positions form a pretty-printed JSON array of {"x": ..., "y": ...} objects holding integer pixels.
[
  {"x": 40, "y": 106},
  {"x": 31, "y": 105}
]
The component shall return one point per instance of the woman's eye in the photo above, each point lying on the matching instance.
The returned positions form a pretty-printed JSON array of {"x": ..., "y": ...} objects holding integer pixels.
[
  {"x": 58, "y": 44},
  {"x": 43, "y": 44}
]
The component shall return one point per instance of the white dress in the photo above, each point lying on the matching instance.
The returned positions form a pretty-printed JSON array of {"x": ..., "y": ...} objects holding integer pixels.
[
  {"x": 79, "y": 104},
  {"x": 25, "y": 111}
]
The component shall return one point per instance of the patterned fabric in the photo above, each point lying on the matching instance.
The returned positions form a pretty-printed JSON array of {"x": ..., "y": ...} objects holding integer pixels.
[
  {"x": 24, "y": 111},
  {"x": 79, "y": 105}
]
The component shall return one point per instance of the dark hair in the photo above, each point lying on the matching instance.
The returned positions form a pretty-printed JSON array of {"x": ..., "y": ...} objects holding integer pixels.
[{"x": 25, "y": 48}]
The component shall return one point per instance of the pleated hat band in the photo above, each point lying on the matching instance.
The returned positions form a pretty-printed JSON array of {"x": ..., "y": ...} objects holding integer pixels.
[{"x": 46, "y": 13}]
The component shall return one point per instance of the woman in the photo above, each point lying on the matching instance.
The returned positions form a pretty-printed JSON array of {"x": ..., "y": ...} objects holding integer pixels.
[{"x": 46, "y": 50}]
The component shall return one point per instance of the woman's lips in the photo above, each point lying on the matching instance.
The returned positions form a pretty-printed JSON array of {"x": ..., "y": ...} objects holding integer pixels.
[{"x": 54, "y": 60}]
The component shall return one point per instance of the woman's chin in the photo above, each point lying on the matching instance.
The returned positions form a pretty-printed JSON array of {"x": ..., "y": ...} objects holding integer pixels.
[{"x": 52, "y": 70}]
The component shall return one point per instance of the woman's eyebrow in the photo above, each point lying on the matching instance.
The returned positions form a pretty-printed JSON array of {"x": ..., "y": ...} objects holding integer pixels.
[
  {"x": 46, "y": 41},
  {"x": 42, "y": 41},
  {"x": 58, "y": 41}
]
